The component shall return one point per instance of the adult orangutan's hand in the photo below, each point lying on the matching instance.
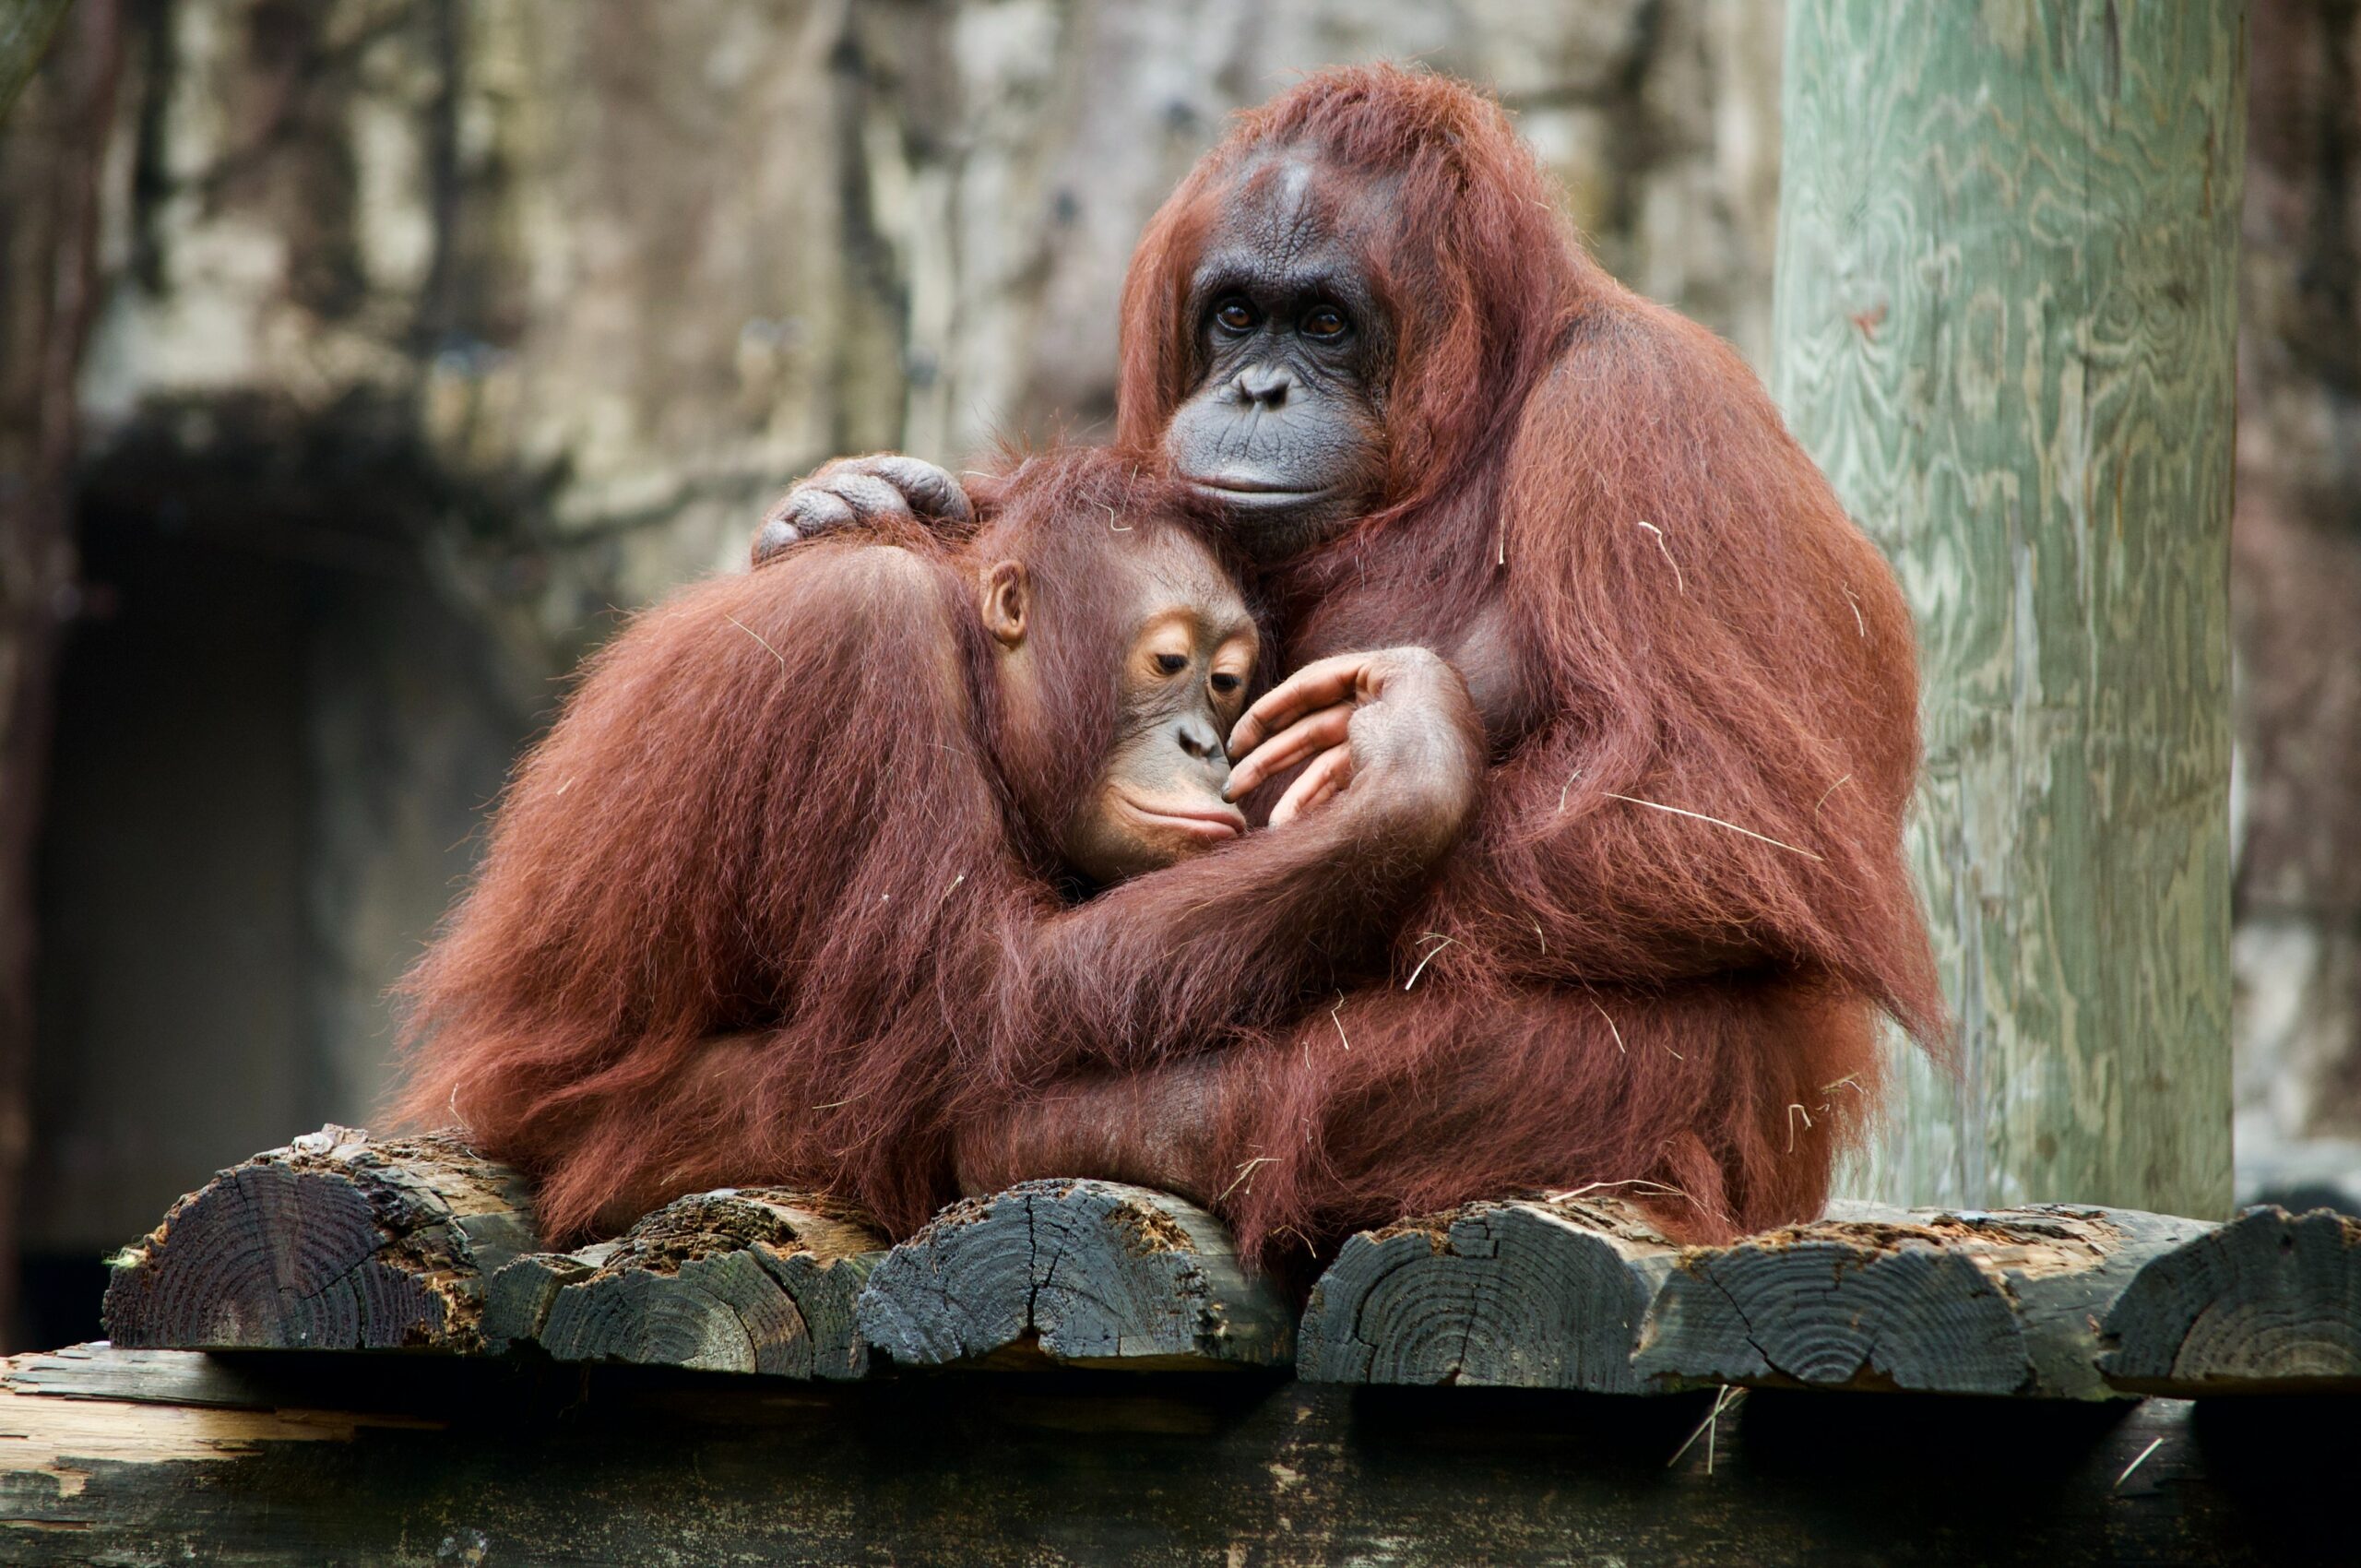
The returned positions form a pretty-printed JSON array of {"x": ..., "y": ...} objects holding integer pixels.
[
  {"x": 1398, "y": 718},
  {"x": 852, "y": 492}
]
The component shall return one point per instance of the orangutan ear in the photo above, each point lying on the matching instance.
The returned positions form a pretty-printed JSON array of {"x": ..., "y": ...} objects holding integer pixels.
[{"x": 1006, "y": 596}]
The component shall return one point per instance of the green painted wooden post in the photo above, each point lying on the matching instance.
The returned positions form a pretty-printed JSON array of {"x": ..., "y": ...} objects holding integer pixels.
[{"x": 2005, "y": 319}]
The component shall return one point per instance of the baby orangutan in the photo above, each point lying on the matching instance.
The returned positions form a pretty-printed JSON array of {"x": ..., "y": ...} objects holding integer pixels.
[{"x": 800, "y": 879}]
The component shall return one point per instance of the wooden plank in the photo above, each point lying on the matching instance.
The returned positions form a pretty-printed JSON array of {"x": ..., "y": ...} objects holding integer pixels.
[
  {"x": 1924, "y": 1300},
  {"x": 102, "y": 1371},
  {"x": 605, "y": 1465},
  {"x": 755, "y": 1280},
  {"x": 1517, "y": 1295},
  {"x": 2005, "y": 318},
  {"x": 2269, "y": 1303},
  {"x": 1084, "y": 1272},
  {"x": 336, "y": 1241}
]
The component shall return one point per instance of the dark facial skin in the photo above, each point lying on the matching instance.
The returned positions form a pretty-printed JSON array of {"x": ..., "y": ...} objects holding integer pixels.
[
  {"x": 1158, "y": 798},
  {"x": 1286, "y": 425}
]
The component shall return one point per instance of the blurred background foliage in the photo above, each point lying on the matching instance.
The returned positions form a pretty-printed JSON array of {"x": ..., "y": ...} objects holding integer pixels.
[{"x": 424, "y": 335}]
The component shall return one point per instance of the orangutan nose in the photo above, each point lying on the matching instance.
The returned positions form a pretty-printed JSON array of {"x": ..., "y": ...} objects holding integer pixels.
[
  {"x": 1197, "y": 738},
  {"x": 1266, "y": 384}
]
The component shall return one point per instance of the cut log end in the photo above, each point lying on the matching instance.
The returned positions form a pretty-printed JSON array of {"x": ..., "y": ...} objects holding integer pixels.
[
  {"x": 1517, "y": 1295},
  {"x": 1921, "y": 1300},
  {"x": 336, "y": 1241},
  {"x": 2269, "y": 1303},
  {"x": 752, "y": 1280},
  {"x": 1088, "y": 1272}
]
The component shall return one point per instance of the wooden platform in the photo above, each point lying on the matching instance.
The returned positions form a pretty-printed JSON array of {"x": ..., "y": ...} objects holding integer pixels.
[
  {"x": 339, "y": 1241},
  {"x": 1081, "y": 1372},
  {"x": 305, "y": 1458}
]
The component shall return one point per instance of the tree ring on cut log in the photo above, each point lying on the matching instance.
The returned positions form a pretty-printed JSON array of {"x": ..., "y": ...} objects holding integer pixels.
[
  {"x": 753, "y": 1279},
  {"x": 2270, "y": 1302},
  {"x": 1516, "y": 1295},
  {"x": 2003, "y": 1301},
  {"x": 1081, "y": 1271},
  {"x": 336, "y": 1241}
]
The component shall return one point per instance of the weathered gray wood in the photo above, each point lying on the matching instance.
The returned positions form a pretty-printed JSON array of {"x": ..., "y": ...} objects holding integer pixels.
[
  {"x": 1924, "y": 1300},
  {"x": 2004, "y": 317},
  {"x": 1516, "y": 1295},
  {"x": 1586, "y": 1295},
  {"x": 516, "y": 1299},
  {"x": 1086, "y": 1272},
  {"x": 336, "y": 1241},
  {"x": 2269, "y": 1303},
  {"x": 100, "y": 1370},
  {"x": 751, "y": 1279},
  {"x": 464, "y": 1460}
]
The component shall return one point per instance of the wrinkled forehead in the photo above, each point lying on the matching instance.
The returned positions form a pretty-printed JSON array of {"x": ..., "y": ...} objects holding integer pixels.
[
  {"x": 1168, "y": 566},
  {"x": 1291, "y": 214}
]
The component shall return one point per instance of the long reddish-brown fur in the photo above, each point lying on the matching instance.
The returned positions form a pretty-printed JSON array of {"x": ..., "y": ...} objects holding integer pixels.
[
  {"x": 756, "y": 911},
  {"x": 740, "y": 913},
  {"x": 1657, "y": 961}
]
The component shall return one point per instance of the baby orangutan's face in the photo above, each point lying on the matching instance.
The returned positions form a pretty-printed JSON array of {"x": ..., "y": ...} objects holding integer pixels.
[{"x": 1182, "y": 685}]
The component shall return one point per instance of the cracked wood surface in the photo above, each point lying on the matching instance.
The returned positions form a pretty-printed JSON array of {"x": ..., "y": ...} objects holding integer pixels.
[
  {"x": 754, "y": 1279},
  {"x": 2053, "y": 1302},
  {"x": 2270, "y": 1302},
  {"x": 1927, "y": 1300},
  {"x": 339, "y": 1241},
  {"x": 1084, "y": 1272},
  {"x": 336, "y": 1241},
  {"x": 1519, "y": 1295}
]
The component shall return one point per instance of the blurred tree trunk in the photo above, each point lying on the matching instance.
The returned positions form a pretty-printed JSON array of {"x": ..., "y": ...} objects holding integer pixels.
[
  {"x": 25, "y": 27},
  {"x": 2005, "y": 314},
  {"x": 52, "y": 152},
  {"x": 2297, "y": 607}
]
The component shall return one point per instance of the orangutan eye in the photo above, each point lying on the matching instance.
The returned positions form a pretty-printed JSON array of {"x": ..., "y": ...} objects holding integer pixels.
[
  {"x": 1172, "y": 663},
  {"x": 1235, "y": 316},
  {"x": 1226, "y": 682},
  {"x": 1324, "y": 323}
]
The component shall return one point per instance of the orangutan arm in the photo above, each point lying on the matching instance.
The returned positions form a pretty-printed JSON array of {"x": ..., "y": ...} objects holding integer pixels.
[
  {"x": 1154, "y": 1128},
  {"x": 1183, "y": 958},
  {"x": 1717, "y": 668}
]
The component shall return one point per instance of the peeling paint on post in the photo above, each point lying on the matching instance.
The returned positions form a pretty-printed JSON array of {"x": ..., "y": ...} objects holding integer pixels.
[{"x": 2005, "y": 317}]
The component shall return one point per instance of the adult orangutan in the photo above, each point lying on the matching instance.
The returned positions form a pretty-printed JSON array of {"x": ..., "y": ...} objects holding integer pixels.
[
  {"x": 756, "y": 909},
  {"x": 1654, "y": 964}
]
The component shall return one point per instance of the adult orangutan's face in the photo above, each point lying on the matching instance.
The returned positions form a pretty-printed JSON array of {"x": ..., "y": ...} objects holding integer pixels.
[{"x": 1285, "y": 424}]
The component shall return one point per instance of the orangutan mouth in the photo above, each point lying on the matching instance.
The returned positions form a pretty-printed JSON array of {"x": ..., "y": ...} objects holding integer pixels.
[
  {"x": 1198, "y": 822},
  {"x": 1252, "y": 491}
]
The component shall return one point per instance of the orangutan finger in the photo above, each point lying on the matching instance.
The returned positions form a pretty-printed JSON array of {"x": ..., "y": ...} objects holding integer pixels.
[
  {"x": 931, "y": 491},
  {"x": 1316, "y": 800},
  {"x": 811, "y": 510},
  {"x": 796, "y": 516},
  {"x": 771, "y": 542},
  {"x": 1298, "y": 741},
  {"x": 872, "y": 499},
  {"x": 1324, "y": 683},
  {"x": 1329, "y": 772}
]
